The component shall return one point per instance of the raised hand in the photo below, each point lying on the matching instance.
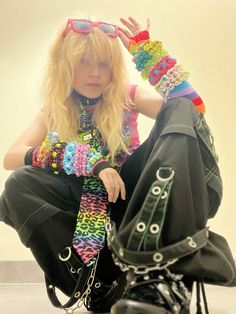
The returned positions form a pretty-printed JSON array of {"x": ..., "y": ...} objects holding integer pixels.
[{"x": 132, "y": 29}]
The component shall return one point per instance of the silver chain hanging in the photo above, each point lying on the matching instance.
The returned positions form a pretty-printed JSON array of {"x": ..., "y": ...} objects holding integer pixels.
[{"x": 86, "y": 292}]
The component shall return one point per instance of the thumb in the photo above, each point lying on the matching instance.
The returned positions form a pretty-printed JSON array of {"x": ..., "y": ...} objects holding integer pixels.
[{"x": 124, "y": 39}]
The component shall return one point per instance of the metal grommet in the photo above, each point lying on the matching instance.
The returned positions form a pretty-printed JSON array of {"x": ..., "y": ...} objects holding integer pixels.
[
  {"x": 164, "y": 195},
  {"x": 97, "y": 285},
  {"x": 67, "y": 257},
  {"x": 140, "y": 226},
  {"x": 72, "y": 270},
  {"x": 50, "y": 287},
  {"x": 77, "y": 294},
  {"x": 157, "y": 257},
  {"x": 112, "y": 238},
  {"x": 146, "y": 277},
  {"x": 154, "y": 228},
  {"x": 108, "y": 226},
  {"x": 191, "y": 242},
  {"x": 78, "y": 270},
  {"x": 156, "y": 190},
  {"x": 121, "y": 252},
  {"x": 164, "y": 179}
]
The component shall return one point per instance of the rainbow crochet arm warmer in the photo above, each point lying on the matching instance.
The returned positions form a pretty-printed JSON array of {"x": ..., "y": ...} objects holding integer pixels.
[
  {"x": 162, "y": 70},
  {"x": 71, "y": 158}
]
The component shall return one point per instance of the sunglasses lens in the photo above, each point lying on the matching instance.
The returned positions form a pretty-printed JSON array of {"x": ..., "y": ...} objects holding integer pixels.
[
  {"x": 107, "y": 28},
  {"x": 81, "y": 25}
]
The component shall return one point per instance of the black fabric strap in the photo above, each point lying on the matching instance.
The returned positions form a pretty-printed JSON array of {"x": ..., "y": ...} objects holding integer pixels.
[
  {"x": 100, "y": 166},
  {"x": 80, "y": 286},
  {"x": 165, "y": 254},
  {"x": 28, "y": 156},
  {"x": 81, "y": 274}
]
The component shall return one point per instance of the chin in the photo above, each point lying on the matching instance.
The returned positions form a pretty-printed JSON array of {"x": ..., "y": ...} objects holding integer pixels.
[{"x": 90, "y": 94}]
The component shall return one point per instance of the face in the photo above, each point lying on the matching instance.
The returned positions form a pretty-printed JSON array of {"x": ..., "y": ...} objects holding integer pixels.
[{"x": 91, "y": 78}]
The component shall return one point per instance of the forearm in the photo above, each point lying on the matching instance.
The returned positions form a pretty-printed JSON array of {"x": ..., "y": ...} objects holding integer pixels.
[
  {"x": 162, "y": 71},
  {"x": 70, "y": 158},
  {"x": 15, "y": 157}
]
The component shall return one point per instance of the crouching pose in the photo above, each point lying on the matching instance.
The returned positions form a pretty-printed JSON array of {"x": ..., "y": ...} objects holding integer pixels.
[{"x": 117, "y": 226}]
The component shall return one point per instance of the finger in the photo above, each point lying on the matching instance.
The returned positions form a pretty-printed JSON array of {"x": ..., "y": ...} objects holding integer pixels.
[
  {"x": 134, "y": 22},
  {"x": 148, "y": 24},
  {"x": 108, "y": 186},
  {"x": 124, "y": 39},
  {"x": 122, "y": 189},
  {"x": 114, "y": 187},
  {"x": 130, "y": 26},
  {"x": 125, "y": 32},
  {"x": 117, "y": 187}
]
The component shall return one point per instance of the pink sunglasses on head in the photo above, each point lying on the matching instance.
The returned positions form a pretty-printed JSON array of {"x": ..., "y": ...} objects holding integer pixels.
[{"x": 86, "y": 26}]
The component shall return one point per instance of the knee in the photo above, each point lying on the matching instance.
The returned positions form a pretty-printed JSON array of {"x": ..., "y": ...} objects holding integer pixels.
[
  {"x": 13, "y": 181},
  {"x": 179, "y": 110}
]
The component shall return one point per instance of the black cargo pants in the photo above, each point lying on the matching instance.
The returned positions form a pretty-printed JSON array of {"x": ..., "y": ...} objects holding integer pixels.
[{"x": 42, "y": 207}]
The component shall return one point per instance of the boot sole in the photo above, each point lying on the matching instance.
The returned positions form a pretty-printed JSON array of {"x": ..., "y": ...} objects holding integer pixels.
[{"x": 134, "y": 307}]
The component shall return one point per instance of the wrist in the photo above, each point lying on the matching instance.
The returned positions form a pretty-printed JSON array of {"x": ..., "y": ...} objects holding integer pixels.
[
  {"x": 136, "y": 40},
  {"x": 28, "y": 159},
  {"x": 99, "y": 166}
]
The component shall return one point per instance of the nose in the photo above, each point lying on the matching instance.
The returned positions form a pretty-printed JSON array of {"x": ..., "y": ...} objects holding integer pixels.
[{"x": 95, "y": 70}]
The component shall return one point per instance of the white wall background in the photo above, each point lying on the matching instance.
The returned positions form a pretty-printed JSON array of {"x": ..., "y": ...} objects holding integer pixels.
[{"x": 201, "y": 34}]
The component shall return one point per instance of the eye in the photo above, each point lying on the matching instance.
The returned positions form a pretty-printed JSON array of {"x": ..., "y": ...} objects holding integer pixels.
[
  {"x": 84, "y": 60},
  {"x": 103, "y": 64}
]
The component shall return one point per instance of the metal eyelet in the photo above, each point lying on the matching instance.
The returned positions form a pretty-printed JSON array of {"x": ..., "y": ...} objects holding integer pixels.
[
  {"x": 78, "y": 270},
  {"x": 121, "y": 252},
  {"x": 154, "y": 229},
  {"x": 191, "y": 242},
  {"x": 164, "y": 195},
  {"x": 156, "y": 190},
  {"x": 97, "y": 285},
  {"x": 164, "y": 179},
  {"x": 157, "y": 257},
  {"x": 77, "y": 294},
  {"x": 72, "y": 270},
  {"x": 141, "y": 226},
  {"x": 67, "y": 257}
]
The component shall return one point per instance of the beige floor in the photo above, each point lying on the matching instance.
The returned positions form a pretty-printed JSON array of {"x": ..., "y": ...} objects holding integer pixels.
[{"x": 32, "y": 299}]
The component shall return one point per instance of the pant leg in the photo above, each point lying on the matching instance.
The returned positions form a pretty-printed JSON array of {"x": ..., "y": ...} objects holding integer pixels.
[
  {"x": 42, "y": 208},
  {"x": 176, "y": 141},
  {"x": 33, "y": 195}
]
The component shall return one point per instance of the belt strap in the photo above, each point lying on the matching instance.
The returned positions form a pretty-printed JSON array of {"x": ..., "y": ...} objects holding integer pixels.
[{"x": 161, "y": 256}]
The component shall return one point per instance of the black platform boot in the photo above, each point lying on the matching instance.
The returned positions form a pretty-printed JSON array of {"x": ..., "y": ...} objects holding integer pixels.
[
  {"x": 102, "y": 297},
  {"x": 152, "y": 293}
]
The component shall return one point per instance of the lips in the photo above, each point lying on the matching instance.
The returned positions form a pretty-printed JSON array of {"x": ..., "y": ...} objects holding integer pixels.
[{"x": 93, "y": 84}]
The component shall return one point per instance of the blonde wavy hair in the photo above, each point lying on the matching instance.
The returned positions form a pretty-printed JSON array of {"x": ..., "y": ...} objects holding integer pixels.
[{"x": 62, "y": 113}]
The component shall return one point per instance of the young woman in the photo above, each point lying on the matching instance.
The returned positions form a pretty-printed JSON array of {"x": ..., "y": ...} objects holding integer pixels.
[{"x": 81, "y": 175}]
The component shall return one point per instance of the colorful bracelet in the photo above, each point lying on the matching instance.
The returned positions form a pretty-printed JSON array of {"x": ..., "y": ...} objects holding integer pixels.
[
  {"x": 72, "y": 158},
  {"x": 56, "y": 157},
  {"x": 42, "y": 157},
  {"x": 69, "y": 156},
  {"x": 140, "y": 37},
  {"x": 174, "y": 77},
  {"x": 80, "y": 159},
  {"x": 93, "y": 157},
  {"x": 162, "y": 71}
]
